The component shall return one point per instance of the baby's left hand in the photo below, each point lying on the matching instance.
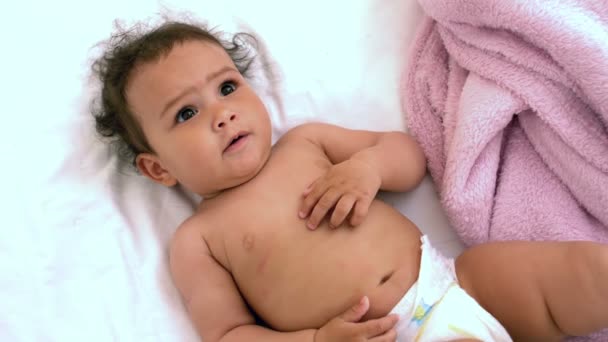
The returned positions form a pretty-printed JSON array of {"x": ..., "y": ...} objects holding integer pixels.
[{"x": 347, "y": 188}]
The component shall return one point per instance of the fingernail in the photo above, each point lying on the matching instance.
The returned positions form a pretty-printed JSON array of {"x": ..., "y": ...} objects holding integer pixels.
[
  {"x": 310, "y": 225},
  {"x": 302, "y": 214}
]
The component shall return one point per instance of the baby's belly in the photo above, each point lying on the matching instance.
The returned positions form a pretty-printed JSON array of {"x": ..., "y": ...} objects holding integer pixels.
[{"x": 294, "y": 278}]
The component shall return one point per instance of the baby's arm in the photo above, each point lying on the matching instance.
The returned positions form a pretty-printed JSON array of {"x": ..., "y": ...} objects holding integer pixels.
[
  {"x": 396, "y": 156},
  {"x": 539, "y": 290},
  {"x": 363, "y": 162},
  {"x": 210, "y": 295},
  {"x": 219, "y": 313}
]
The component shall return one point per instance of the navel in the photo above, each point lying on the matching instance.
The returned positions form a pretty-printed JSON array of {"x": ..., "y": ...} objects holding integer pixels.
[{"x": 386, "y": 278}]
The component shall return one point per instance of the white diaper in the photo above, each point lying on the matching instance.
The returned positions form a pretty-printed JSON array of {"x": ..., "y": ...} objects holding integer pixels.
[{"x": 436, "y": 308}]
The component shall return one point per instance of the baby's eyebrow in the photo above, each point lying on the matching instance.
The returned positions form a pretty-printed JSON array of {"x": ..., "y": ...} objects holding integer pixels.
[
  {"x": 217, "y": 73},
  {"x": 191, "y": 89},
  {"x": 175, "y": 99}
]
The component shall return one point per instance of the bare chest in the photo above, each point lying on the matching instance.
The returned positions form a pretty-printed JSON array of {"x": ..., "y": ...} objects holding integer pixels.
[
  {"x": 264, "y": 212},
  {"x": 279, "y": 264}
]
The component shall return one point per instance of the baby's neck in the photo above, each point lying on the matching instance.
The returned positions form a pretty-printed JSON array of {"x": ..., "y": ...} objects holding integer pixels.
[{"x": 218, "y": 193}]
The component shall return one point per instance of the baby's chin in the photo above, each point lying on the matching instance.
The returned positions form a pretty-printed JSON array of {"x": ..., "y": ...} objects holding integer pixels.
[
  {"x": 241, "y": 177},
  {"x": 251, "y": 168}
]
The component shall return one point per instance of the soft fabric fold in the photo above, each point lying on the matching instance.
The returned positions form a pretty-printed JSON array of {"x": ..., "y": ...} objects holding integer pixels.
[{"x": 509, "y": 101}]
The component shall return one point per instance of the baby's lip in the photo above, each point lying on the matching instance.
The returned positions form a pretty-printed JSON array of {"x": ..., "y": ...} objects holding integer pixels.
[{"x": 234, "y": 137}]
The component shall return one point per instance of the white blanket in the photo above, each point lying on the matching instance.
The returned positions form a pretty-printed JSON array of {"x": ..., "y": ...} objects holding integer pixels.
[{"x": 84, "y": 240}]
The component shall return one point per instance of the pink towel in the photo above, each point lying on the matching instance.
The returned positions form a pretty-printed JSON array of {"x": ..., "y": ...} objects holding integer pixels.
[{"x": 509, "y": 100}]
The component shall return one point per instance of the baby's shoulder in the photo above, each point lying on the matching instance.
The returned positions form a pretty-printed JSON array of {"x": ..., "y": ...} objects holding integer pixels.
[
  {"x": 190, "y": 233},
  {"x": 301, "y": 135},
  {"x": 305, "y": 130}
]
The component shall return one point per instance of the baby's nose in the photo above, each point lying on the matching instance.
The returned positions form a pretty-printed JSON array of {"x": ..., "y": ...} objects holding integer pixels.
[{"x": 223, "y": 119}]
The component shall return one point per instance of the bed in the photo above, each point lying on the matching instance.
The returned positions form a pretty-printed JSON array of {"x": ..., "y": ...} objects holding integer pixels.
[{"x": 84, "y": 247}]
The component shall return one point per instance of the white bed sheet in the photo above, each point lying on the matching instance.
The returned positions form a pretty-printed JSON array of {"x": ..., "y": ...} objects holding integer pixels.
[{"x": 84, "y": 242}]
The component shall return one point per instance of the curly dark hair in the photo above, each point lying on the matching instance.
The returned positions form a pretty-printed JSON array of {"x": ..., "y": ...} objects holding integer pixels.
[{"x": 128, "y": 48}]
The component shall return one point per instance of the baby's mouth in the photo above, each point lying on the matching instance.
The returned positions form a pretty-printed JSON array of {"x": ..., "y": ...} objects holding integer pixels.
[{"x": 235, "y": 141}]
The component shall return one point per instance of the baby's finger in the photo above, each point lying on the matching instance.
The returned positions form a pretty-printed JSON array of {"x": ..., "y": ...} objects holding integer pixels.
[
  {"x": 309, "y": 188},
  {"x": 377, "y": 327},
  {"x": 389, "y": 336},
  {"x": 344, "y": 206},
  {"x": 360, "y": 211},
  {"x": 355, "y": 312},
  {"x": 325, "y": 203},
  {"x": 317, "y": 189}
]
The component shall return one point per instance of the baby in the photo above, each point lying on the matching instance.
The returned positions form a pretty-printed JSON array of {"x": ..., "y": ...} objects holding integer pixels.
[{"x": 292, "y": 237}]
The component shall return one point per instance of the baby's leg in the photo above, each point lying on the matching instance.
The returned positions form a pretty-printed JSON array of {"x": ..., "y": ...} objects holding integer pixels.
[{"x": 539, "y": 290}]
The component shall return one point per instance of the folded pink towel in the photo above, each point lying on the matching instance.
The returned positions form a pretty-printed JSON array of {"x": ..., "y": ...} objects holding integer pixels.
[{"x": 509, "y": 100}]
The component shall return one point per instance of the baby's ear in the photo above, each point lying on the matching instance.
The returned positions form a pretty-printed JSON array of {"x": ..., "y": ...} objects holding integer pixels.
[{"x": 150, "y": 166}]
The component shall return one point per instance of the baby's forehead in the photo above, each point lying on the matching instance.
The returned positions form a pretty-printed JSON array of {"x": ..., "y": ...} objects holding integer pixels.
[{"x": 187, "y": 64}]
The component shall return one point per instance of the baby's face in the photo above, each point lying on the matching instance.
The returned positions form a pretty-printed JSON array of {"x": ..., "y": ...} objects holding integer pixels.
[{"x": 209, "y": 129}]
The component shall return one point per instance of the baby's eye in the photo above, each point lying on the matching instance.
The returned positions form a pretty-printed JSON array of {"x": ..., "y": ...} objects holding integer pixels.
[
  {"x": 185, "y": 114},
  {"x": 227, "y": 88}
]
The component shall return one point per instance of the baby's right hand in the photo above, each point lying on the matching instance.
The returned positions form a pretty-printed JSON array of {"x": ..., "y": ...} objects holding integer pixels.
[{"x": 347, "y": 328}]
